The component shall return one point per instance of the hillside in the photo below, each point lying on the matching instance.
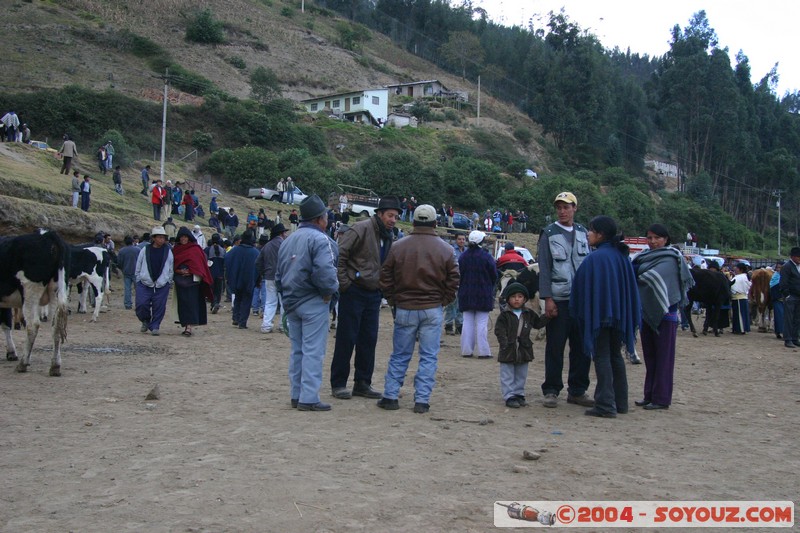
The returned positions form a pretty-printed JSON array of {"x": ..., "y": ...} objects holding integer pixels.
[{"x": 78, "y": 42}]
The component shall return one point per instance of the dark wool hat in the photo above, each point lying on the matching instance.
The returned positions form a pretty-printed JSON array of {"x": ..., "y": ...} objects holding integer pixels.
[
  {"x": 187, "y": 232},
  {"x": 795, "y": 252},
  {"x": 311, "y": 208},
  {"x": 276, "y": 230},
  {"x": 248, "y": 237},
  {"x": 509, "y": 246},
  {"x": 515, "y": 288},
  {"x": 390, "y": 202}
]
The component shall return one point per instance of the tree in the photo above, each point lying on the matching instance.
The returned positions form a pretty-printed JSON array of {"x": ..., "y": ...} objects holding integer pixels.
[
  {"x": 463, "y": 50},
  {"x": 264, "y": 85},
  {"x": 204, "y": 29}
]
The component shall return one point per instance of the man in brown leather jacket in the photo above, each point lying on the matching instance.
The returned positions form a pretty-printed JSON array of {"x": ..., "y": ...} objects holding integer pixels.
[
  {"x": 362, "y": 249},
  {"x": 419, "y": 277}
]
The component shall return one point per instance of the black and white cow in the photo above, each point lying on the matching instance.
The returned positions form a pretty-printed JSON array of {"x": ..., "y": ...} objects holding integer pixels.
[
  {"x": 89, "y": 266},
  {"x": 32, "y": 277}
]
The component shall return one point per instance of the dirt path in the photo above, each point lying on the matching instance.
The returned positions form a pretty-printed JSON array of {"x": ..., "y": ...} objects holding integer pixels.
[{"x": 223, "y": 451}]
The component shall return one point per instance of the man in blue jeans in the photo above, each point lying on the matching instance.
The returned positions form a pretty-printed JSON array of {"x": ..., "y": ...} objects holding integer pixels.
[
  {"x": 419, "y": 276},
  {"x": 305, "y": 277}
]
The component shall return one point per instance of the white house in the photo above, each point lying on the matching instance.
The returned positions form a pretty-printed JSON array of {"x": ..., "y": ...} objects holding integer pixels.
[
  {"x": 369, "y": 105},
  {"x": 401, "y": 120},
  {"x": 420, "y": 89}
]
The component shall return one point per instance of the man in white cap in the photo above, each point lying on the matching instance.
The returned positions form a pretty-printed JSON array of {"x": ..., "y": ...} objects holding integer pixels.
[
  {"x": 563, "y": 245},
  {"x": 305, "y": 277},
  {"x": 419, "y": 276},
  {"x": 154, "y": 270}
]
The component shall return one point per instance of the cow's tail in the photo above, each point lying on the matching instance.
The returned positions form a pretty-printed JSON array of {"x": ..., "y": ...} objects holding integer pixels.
[{"x": 62, "y": 291}]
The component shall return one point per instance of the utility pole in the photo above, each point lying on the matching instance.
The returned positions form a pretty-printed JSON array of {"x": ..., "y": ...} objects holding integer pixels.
[
  {"x": 478, "y": 119},
  {"x": 164, "y": 123},
  {"x": 778, "y": 193}
]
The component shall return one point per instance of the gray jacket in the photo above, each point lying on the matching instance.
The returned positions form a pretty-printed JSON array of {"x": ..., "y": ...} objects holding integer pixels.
[
  {"x": 306, "y": 267},
  {"x": 560, "y": 255},
  {"x": 143, "y": 272},
  {"x": 268, "y": 259}
]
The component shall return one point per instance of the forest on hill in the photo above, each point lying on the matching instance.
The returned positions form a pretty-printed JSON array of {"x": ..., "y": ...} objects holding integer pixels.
[{"x": 589, "y": 116}]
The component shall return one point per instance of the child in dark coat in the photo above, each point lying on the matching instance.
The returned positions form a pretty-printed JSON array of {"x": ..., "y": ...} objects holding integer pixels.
[{"x": 513, "y": 332}]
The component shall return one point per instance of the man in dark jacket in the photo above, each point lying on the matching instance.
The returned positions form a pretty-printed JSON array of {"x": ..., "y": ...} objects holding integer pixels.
[
  {"x": 419, "y": 276},
  {"x": 126, "y": 260},
  {"x": 362, "y": 250},
  {"x": 790, "y": 289},
  {"x": 240, "y": 264}
]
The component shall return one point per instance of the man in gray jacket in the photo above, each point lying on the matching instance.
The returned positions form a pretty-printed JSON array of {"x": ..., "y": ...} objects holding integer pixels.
[
  {"x": 306, "y": 280},
  {"x": 563, "y": 245},
  {"x": 154, "y": 270},
  {"x": 266, "y": 263},
  {"x": 362, "y": 250}
]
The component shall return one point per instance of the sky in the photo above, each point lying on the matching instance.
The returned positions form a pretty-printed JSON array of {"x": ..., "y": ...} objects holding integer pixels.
[{"x": 766, "y": 31}]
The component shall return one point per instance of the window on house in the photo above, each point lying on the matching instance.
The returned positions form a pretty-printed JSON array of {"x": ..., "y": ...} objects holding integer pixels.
[
  {"x": 314, "y": 107},
  {"x": 335, "y": 104},
  {"x": 376, "y": 100},
  {"x": 356, "y": 100}
]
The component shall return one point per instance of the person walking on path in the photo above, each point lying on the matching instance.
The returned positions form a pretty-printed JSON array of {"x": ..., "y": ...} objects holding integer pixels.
[
  {"x": 240, "y": 264},
  {"x": 145, "y": 179},
  {"x": 605, "y": 305},
  {"x": 268, "y": 262},
  {"x": 563, "y": 246},
  {"x": 663, "y": 278},
  {"x": 126, "y": 260},
  {"x": 419, "y": 276},
  {"x": 476, "y": 296},
  {"x": 68, "y": 152},
  {"x": 363, "y": 248},
  {"x": 193, "y": 282},
  {"x": 215, "y": 253},
  {"x": 154, "y": 273},
  {"x": 306, "y": 280}
]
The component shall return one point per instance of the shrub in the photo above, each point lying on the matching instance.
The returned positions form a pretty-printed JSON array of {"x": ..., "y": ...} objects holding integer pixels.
[
  {"x": 204, "y": 29},
  {"x": 202, "y": 141},
  {"x": 287, "y": 12},
  {"x": 237, "y": 62},
  {"x": 523, "y": 135}
]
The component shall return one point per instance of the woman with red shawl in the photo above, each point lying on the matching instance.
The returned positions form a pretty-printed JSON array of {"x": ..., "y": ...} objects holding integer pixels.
[
  {"x": 193, "y": 281},
  {"x": 188, "y": 206}
]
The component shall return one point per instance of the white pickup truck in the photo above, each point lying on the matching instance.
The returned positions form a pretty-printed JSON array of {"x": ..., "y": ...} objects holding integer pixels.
[{"x": 360, "y": 201}]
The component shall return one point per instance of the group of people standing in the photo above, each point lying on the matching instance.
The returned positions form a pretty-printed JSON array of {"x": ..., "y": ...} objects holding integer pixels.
[{"x": 12, "y": 130}]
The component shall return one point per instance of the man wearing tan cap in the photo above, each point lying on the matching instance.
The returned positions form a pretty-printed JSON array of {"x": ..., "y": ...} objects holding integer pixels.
[
  {"x": 563, "y": 245},
  {"x": 154, "y": 271}
]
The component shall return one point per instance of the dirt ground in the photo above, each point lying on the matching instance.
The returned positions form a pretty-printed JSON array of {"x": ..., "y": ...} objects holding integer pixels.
[{"x": 222, "y": 450}]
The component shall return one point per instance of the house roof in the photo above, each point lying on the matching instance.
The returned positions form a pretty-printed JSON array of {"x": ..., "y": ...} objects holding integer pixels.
[
  {"x": 357, "y": 92},
  {"x": 416, "y": 83}
]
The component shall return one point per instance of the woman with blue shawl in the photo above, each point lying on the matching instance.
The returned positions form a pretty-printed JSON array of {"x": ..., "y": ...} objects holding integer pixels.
[
  {"x": 664, "y": 279},
  {"x": 605, "y": 304}
]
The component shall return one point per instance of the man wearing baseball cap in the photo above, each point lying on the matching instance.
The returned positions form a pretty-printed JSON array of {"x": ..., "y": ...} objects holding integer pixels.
[
  {"x": 419, "y": 276},
  {"x": 563, "y": 245},
  {"x": 790, "y": 289},
  {"x": 154, "y": 271}
]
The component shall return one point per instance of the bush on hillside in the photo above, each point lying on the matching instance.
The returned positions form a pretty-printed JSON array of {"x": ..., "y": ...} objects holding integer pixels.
[
  {"x": 243, "y": 168},
  {"x": 205, "y": 29},
  {"x": 123, "y": 152},
  {"x": 523, "y": 135}
]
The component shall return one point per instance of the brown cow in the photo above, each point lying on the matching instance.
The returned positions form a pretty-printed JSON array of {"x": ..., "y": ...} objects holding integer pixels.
[{"x": 760, "y": 301}]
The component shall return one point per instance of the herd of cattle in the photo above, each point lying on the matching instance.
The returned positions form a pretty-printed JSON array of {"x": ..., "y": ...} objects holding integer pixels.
[{"x": 36, "y": 271}]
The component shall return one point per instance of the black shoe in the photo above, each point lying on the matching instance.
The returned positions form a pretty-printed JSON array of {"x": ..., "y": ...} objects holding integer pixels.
[
  {"x": 214, "y": 310},
  {"x": 294, "y": 403},
  {"x": 458, "y": 329},
  {"x": 622, "y": 410},
  {"x": 319, "y": 406},
  {"x": 796, "y": 343},
  {"x": 365, "y": 390},
  {"x": 341, "y": 393},
  {"x": 389, "y": 405},
  {"x": 513, "y": 403},
  {"x": 778, "y": 336},
  {"x": 448, "y": 329},
  {"x": 521, "y": 400},
  {"x": 235, "y": 323},
  {"x": 641, "y": 403},
  {"x": 241, "y": 326},
  {"x": 421, "y": 408},
  {"x": 654, "y": 406},
  {"x": 594, "y": 411}
]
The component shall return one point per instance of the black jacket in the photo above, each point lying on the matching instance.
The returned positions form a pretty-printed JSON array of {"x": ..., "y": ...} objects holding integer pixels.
[
  {"x": 515, "y": 348},
  {"x": 790, "y": 280}
]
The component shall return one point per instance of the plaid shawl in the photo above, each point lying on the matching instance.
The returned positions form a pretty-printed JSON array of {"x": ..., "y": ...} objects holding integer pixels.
[{"x": 663, "y": 279}]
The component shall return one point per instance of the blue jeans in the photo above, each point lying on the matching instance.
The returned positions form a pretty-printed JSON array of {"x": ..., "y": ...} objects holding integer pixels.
[
  {"x": 308, "y": 330},
  {"x": 408, "y": 323},
  {"x": 129, "y": 283},
  {"x": 259, "y": 297},
  {"x": 151, "y": 304},
  {"x": 290, "y": 197},
  {"x": 452, "y": 315}
]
